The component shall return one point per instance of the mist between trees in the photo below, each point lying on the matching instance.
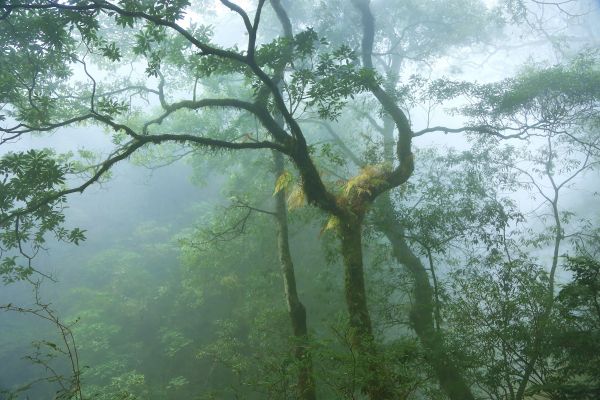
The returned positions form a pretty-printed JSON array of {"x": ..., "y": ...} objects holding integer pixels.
[{"x": 299, "y": 199}]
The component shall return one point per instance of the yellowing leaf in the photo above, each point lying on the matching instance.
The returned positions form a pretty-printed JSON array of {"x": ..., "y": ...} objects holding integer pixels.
[
  {"x": 296, "y": 198},
  {"x": 369, "y": 176},
  {"x": 283, "y": 181},
  {"x": 331, "y": 224}
]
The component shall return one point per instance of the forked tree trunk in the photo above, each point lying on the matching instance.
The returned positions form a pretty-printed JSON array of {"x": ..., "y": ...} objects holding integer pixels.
[{"x": 296, "y": 310}]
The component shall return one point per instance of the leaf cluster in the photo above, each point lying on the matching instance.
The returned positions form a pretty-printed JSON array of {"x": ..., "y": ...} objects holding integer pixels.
[{"x": 29, "y": 179}]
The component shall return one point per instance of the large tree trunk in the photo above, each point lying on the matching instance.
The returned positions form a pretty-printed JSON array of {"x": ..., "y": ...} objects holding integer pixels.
[
  {"x": 421, "y": 314},
  {"x": 296, "y": 310},
  {"x": 377, "y": 383}
]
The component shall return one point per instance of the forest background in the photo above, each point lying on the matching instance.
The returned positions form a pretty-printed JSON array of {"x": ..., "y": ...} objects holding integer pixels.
[{"x": 390, "y": 200}]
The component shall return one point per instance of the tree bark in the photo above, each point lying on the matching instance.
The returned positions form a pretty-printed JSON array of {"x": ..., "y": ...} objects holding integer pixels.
[
  {"x": 378, "y": 384},
  {"x": 296, "y": 310}
]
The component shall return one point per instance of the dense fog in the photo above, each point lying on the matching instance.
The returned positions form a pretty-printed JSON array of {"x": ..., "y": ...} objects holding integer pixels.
[{"x": 364, "y": 199}]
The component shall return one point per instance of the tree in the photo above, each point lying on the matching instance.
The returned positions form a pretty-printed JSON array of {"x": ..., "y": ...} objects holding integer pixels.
[
  {"x": 516, "y": 320},
  {"x": 277, "y": 80},
  {"x": 36, "y": 109}
]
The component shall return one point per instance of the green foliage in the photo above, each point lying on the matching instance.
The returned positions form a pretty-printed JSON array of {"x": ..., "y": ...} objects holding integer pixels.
[
  {"x": 173, "y": 341},
  {"x": 496, "y": 304},
  {"x": 576, "y": 343},
  {"x": 217, "y": 326},
  {"x": 111, "y": 107},
  {"x": 31, "y": 208},
  {"x": 581, "y": 295},
  {"x": 456, "y": 196},
  {"x": 335, "y": 79},
  {"x": 560, "y": 95},
  {"x": 169, "y": 10},
  {"x": 128, "y": 386}
]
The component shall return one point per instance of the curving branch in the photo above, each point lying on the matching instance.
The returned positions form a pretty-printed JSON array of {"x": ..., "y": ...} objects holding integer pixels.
[
  {"x": 405, "y": 134},
  {"x": 251, "y": 28},
  {"x": 94, "y": 84},
  {"x": 126, "y": 151},
  {"x": 239, "y": 10},
  {"x": 283, "y": 17}
]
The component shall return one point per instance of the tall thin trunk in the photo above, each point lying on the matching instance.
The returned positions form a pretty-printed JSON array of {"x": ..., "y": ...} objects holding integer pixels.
[
  {"x": 535, "y": 350},
  {"x": 296, "y": 310}
]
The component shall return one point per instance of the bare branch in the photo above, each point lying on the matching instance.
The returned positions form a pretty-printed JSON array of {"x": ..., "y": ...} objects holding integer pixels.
[
  {"x": 485, "y": 129},
  {"x": 21, "y": 129}
]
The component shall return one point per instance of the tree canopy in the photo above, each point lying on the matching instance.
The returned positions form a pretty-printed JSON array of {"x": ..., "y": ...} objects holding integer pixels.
[{"x": 463, "y": 266}]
